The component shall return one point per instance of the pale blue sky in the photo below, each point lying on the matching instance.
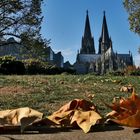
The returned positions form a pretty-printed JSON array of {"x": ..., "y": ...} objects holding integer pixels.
[{"x": 64, "y": 22}]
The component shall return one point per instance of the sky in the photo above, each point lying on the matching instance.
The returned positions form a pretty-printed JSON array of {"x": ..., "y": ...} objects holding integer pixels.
[{"x": 64, "y": 23}]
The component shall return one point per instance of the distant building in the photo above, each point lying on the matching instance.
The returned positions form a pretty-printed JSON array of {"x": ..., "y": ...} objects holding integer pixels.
[
  {"x": 13, "y": 48},
  {"x": 67, "y": 65},
  {"x": 58, "y": 59},
  {"x": 50, "y": 55},
  {"x": 105, "y": 60}
]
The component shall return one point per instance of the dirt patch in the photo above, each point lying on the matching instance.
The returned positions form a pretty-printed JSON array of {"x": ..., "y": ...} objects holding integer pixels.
[{"x": 14, "y": 90}]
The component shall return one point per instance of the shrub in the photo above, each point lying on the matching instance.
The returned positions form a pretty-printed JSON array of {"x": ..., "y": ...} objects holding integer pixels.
[
  {"x": 132, "y": 70},
  {"x": 35, "y": 66},
  {"x": 9, "y": 65},
  {"x": 57, "y": 70},
  {"x": 116, "y": 73},
  {"x": 136, "y": 72}
]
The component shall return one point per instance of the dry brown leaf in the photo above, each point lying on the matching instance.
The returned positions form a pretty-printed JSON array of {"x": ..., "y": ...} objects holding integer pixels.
[
  {"x": 85, "y": 119},
  {"x": 128, "y": 88},
  {"x": 112, "y": 114},
  {"x": 21, "y": 116},
  {"x": 67, "y": 110},
  {"x": 132, "y": 121},
  {"x": 83, "y": 112},
  {"x": 89, "y": 95},
  {"x": 126, "y": 111},
  {"x": 61, "y": 118}
]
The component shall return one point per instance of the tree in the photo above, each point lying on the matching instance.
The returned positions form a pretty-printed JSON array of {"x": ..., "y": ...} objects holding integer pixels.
[
  {"x": 133, "y": 9},
  {"x": 22, "y": 19}
]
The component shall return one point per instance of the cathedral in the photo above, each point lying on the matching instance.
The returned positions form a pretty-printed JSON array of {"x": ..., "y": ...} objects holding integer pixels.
[{"x": 103, "y": 61}]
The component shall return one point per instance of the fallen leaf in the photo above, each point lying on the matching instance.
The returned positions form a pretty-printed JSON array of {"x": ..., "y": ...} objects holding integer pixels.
[
  {"x": 126, "y": 111},
  {"x": 79, "y": 111},
  {"x": 85, "y": 119},
  {"x": 128, "y": 88},
  {"x": 132, "y": 121},
  {"x": 90, "y": 96},
  {"x": 61, "y": 118},
  {"x": 19, "y": 117}
]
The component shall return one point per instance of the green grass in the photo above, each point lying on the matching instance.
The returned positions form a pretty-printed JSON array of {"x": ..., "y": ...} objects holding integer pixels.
[{"x": 49, "y": 93}]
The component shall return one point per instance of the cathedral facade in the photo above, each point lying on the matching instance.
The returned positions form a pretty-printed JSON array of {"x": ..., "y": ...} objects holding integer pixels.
[{"x": 105, "y": 60}]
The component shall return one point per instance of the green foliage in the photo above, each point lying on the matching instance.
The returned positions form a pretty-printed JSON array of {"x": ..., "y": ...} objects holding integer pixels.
[
  {"x": 116, "y": 73},
  {"x": 22, "y": 19},
  {"x": 35, "y": 66},
  {"x": 9, "y": 65},
  {"x": 128, "y": 71},
  {"x": 34, "y": 47},
  {"x": 20, "y": 16},
  {"x": 57, "y": 70},
  {"x": 132, "y": 70},
  {"x": 133, "y": 9},
  {"x": 135, "y": 72},
  {"x": 7, "y": 58}
]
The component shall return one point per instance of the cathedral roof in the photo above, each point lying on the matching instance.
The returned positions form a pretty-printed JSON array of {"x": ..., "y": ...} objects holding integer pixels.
[{"x": 124, "y": 55}]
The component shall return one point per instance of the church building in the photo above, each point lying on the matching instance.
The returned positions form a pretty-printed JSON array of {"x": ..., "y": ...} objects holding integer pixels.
[{"x": 103, "y": 61}]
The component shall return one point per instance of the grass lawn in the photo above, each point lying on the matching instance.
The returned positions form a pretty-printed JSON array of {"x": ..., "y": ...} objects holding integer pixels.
[{"x": 49, "y": 93}]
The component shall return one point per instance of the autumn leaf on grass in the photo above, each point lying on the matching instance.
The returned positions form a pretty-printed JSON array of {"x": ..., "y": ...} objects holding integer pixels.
[
  {"x": 83, "y": 112},
  {"x": 128, "y": 88},
  {"x": 131, "y": 104},
  {"x": 19, "y": 117},
  {"x": 127, "y": 112}
]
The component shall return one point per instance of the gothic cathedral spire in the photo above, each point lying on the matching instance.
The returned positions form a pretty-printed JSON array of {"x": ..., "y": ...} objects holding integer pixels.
[
  {"x": 87, "y": 39},
  {"x": 87, "y": 32},
  {"x": 104, "y": 41}
]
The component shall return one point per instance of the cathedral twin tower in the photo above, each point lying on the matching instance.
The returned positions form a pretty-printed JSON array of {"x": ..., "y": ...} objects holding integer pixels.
[
  {"x": 88, "y": 41},
  {"x": 105, "y": 60}
]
